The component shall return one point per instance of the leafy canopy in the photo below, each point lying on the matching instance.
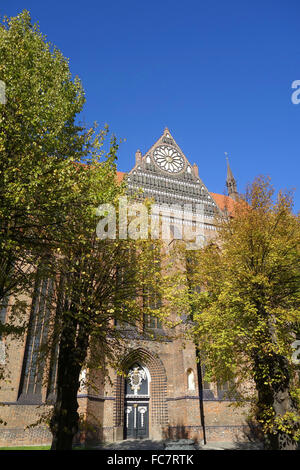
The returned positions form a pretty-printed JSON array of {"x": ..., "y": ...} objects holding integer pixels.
[{"x": 244, "y": 298}]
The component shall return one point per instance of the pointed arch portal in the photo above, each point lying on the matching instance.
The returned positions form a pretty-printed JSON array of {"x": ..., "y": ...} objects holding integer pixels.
[{"x": 141, "y": 407}]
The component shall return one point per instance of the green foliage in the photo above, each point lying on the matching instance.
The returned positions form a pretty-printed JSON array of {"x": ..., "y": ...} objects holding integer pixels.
[
  {"x": 244, "y": 300},
  {"x": 38, "y": 142}
]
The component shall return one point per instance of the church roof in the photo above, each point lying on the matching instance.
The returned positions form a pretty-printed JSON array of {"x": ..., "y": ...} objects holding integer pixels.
[
  {"x": 225, "y": 203},
  {"x": 120, "y": 176}
]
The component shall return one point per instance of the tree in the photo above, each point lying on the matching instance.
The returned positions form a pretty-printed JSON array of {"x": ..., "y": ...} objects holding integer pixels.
[
  {"x": 41, "y": 144},
  {"x": 101, "y": 282},
  {"x": 52, "y": 178},
  {"x": 245, "y": 302},
  {"x": 38, "y": 140}
]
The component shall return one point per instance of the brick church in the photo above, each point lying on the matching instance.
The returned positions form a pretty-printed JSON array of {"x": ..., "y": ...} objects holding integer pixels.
[{"x": 163, "y": 394}]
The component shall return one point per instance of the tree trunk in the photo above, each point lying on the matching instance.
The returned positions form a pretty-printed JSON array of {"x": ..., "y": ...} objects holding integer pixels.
[
  {"x": 72, "y": 353},
  {"x": 64, "y": 422},
  {"x": 275, "y": 397}
]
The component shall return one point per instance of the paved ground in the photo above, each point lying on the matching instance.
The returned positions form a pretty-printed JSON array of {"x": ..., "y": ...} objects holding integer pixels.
[
  {"x": 232, "y": 446},
  {"x": 132, "y": 444},
  {"x": 147, "y": 444}
]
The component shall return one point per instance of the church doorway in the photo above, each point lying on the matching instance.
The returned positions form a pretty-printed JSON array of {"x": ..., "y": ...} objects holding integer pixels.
[{"x": 136, "y": 406}]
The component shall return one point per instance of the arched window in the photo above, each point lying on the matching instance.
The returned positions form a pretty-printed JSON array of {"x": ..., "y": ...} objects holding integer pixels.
[
  {"x": 191, "y": 380},
  {"x": 33, "y": 363},
  {"x": 3, "y": 311},
  {"x": 82, "y": 381}
]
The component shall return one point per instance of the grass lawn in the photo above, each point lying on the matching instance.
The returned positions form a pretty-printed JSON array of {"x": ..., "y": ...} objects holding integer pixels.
[
  {"x": 26, "y": 448},
  {"x": 40, "y": 448}
]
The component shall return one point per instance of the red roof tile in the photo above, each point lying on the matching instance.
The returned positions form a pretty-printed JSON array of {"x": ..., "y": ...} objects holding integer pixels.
[
  {"x": 224, "y": 202},
  {"x": 120, "y": 176}
]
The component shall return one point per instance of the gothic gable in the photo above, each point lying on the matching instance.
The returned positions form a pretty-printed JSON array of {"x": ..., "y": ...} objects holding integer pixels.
[{"x": 165, "y": 174}]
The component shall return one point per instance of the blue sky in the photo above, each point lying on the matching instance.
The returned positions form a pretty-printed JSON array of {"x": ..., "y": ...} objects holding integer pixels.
[{"x": 217, "y": 73}]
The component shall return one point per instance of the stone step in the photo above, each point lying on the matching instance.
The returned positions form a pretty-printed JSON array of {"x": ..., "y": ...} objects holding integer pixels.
[{"x": 180, "y": 444}]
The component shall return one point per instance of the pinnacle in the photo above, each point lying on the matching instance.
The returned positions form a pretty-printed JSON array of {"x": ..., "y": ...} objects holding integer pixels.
[{"x": 230, "y": 176}]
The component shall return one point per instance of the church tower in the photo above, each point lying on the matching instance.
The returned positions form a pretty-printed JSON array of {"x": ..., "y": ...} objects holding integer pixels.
[{"x": 230, "y": 182}]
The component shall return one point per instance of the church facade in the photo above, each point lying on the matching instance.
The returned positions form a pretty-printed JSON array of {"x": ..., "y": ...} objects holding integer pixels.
[{"x": 163, "y": 394}]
